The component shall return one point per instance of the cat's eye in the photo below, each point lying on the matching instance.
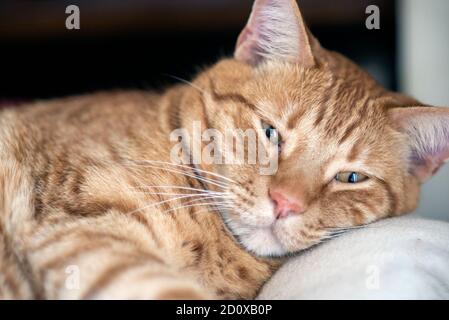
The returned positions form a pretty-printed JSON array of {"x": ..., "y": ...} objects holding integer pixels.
[
  {"x": 271, "y": 133},
  {"x": 350, "y": 177}
]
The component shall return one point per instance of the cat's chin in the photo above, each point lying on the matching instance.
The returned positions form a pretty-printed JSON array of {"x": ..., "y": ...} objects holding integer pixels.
[
  {"x": 263, "y": 242},
  {"x": 275, "y": 240}
]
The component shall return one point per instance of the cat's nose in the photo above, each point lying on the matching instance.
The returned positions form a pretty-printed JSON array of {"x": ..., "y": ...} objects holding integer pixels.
[{"x": 284, "y": 204}]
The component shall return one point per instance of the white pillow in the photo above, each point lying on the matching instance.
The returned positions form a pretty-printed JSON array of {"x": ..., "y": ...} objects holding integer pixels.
[{"x": 397, "y": 258}]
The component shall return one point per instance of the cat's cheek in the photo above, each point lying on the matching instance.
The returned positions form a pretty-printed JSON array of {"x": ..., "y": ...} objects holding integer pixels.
[{"x": 294, "y": 236}]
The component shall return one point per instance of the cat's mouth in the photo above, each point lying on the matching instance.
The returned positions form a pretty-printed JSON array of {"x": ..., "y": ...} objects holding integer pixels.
[
  {"x": 280, "y": 237},
  {"x": 260, "y": 231}
]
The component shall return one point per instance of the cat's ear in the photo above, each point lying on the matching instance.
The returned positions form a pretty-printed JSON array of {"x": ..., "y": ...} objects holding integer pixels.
[
  {"x": 276, "y": 31},
  {"x": 428, "y": 131}
]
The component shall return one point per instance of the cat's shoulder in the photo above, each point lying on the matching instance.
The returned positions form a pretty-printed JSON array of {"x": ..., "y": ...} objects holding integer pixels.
[{"x": 96, "y": 100}]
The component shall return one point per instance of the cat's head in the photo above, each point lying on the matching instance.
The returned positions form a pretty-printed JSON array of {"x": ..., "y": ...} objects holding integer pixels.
[{"x": 350, "y": 152}]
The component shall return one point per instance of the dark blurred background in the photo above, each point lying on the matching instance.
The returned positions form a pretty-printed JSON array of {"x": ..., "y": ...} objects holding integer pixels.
[{"x": 136, "y": 43}]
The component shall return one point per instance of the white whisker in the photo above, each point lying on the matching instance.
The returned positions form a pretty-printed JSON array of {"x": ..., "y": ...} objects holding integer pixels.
[
  {"x": 206, "y": 198},
  {"x": 184, "y": 195},
  {"x": 186, "y": 82},
  {"x": 206, "y": 180},
  {"x": 194, "y": 168},
  {"x": 151, "y": 205},
  {"x": 219, "y": 205},
  {"x": 190, "y": 168},
  {"x": 181, "y": 188}
]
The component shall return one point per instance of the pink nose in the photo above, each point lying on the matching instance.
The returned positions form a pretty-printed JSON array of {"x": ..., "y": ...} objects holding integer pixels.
[{"x": 284, "y": 204}]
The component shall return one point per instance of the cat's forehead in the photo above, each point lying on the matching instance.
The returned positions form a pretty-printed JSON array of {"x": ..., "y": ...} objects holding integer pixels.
[
  {"x": 345, "y": 113},
  {"x": 296, "y": 98},
  {"x": 293, "y": 95},
  {"x": 291, "y": 82}
]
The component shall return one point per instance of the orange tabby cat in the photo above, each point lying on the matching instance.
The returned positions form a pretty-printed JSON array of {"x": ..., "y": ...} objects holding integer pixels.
[{"x": 91, "y": 205}]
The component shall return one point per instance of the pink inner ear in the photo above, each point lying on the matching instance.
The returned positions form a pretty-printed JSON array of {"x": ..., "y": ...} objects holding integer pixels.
[
  {"x": 275, "y": 31},
  {"x": 244, "y": 36},
  {"x": 248, "y": 36},
  {"x": 433, "y": 145},
  {"x": 444, "y": 158},
  {"x": 426, "y": 168},
  {"x": 247, "y": 43},
  {"x": 428, "y": 131}
]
